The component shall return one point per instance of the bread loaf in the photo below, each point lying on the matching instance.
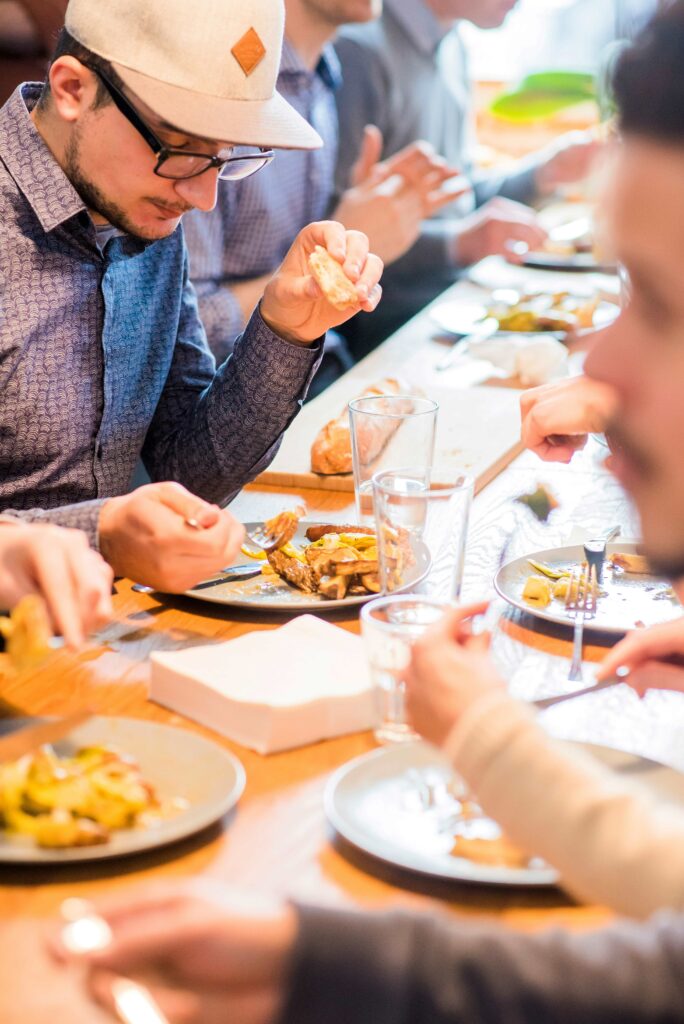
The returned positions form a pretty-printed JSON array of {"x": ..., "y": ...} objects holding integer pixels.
[{"x": 331, "y": 451}]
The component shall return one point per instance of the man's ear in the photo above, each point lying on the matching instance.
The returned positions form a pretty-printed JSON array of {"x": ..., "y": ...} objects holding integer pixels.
[{"x": 73, "y": 88}]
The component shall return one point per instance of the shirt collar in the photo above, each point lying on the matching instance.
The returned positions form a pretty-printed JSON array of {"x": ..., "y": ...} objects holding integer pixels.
[
  {"x": 420, "y": 24},
  {"x": 328, "y": 68},
  {"x": 28, "y": 159}
]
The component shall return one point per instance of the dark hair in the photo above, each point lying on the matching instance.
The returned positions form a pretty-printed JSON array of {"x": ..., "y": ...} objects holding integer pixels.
[
  {"x": 648, "y": 80},
  {"x": 67, "y": 46}
]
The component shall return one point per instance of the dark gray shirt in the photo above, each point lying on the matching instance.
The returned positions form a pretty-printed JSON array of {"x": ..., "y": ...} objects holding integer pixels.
[
  {"x": 103, "y": 357},
  {"x": 358, "y": 968}
]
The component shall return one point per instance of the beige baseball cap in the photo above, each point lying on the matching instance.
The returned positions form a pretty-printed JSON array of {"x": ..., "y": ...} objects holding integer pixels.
[{"x": 208, "y": 67}]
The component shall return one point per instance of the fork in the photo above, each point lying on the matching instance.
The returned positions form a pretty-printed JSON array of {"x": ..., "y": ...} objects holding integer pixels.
[
  {"x": 580, "y": 601},
  {"x": 276, "y": 531},
  {"x": 595, "y": 550}
]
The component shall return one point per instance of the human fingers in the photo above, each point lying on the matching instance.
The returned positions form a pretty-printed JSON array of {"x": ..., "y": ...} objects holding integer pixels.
[
  {"x": 367, "y": 286},
  {"x": 92, "y": 583},
  {"x": 656, "y": 675},
  {"x": 656, "y": 642},
  {"x": 439, "y": 198},
  {"x": 55, "y": 583},
  {"x": 371, "y": 151},
  {"x": 356, "y": 255}
]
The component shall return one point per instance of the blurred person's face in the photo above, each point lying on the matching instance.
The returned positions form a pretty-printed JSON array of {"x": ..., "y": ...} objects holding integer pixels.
[
  {"x": 343, "y": 12},
  {"x": 111, "y": 165},
  {"x": 482, "y": 13},
  {"x": 642, "y": 354}
]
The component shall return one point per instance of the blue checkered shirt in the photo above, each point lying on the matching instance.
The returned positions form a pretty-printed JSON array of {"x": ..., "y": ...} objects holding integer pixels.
[
  {"x": 256, "y": 220},
  {"x": 103, "y": 358}
]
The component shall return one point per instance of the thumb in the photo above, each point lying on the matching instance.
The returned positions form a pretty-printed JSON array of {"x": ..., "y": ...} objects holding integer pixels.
[{"x": 371, "y": 151}]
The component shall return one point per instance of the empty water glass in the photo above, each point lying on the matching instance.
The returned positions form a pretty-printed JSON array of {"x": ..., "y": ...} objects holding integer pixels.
[
  {"x": 389, "y": 431},
  {"x": 422, "y": 530},
  {"x": 390, "y": 626}
]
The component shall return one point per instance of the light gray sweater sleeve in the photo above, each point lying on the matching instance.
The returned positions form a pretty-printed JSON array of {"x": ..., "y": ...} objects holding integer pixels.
[{"x": 353, "y": 968}]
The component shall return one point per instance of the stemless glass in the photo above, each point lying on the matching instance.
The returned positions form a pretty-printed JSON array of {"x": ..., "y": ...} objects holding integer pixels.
[
  {"x": 422, "y": 530},
  {"x": 390, "y": 626},
  {"x": 389, "y": 431}
]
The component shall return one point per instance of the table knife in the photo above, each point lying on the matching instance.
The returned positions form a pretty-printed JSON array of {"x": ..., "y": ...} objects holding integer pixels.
[{"x": 23, "y": 741}]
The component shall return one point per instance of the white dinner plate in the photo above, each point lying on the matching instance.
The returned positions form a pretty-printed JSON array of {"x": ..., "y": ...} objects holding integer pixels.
[
  {"x": 273, "y": 594},
  {"x": 375, "y": 803},
  {"x": 574, "y": 262},
  {"x": 463, "y": 318},
  {"x": 176, "y": 762},
  {"x": 629, "y": 599}
]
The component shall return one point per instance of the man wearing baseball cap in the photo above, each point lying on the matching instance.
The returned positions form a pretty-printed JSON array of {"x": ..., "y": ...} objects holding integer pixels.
[{"x": 102, "y": 354}]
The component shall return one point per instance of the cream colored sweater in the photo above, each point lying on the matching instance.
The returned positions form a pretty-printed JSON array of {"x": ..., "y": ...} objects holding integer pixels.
[{"x": 608, "y": 841}]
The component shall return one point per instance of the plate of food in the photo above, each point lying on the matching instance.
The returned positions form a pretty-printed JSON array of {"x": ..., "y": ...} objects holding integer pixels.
[
  {"x": 113, "y": 787},
  {"x": 407, "y": 807},
  {"x": 323, "y": 566},
  {"x": 629, "y": 595},
  {"x": 541, "y": 313}
]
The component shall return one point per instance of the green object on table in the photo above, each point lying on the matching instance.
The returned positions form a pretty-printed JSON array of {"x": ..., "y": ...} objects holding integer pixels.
[{"x": 544, "y": 93}]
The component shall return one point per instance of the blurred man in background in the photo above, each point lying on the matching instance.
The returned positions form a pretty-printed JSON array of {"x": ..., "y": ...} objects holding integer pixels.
[{"x": 408, "y": 75}]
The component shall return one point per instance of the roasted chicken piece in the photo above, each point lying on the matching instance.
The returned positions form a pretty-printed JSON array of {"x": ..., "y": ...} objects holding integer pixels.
[
  {"x": 296, "y": 572},
  {"x": 334, "y": 587}
]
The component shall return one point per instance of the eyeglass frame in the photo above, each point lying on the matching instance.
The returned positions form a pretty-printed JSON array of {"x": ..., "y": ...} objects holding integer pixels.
[{"x": 164, "y": 152}]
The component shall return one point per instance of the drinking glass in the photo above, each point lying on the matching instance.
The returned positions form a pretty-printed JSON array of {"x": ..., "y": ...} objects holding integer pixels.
[
  {"x": 422, "y": 530},
  {"x": 389, "y": 626},
  {"x": 389, "y": 431}
]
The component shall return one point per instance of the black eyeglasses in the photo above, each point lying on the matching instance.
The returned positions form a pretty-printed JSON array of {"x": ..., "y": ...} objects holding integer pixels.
[{"x": 179, "y": 164}]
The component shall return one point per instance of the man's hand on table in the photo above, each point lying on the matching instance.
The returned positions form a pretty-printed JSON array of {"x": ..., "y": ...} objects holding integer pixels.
[
  {"x": 449, "y": 669},
  {"x": 206, "y": 954},
  {"x": 493, "y": 229},
  {"x": 654, "y": 657},
  {"x": 389, "y": 199},
  {"x": 557, "y": 418},
  {"x": 145, "y": 535},
  {"x": 60, "y": 566},
  {"x": 293, "y": 305}
]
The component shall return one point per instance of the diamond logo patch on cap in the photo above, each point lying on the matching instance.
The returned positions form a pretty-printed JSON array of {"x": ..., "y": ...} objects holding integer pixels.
[{"x": 249, "y": 51}]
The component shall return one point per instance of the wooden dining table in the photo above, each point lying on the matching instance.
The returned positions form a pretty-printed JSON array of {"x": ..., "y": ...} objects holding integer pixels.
[{"x": 277, "y": 839}]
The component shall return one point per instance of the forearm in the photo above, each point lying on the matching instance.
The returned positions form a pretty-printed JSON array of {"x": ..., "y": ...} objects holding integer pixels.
[
  {"x": 609, "y": 844},
  {"x": 83, "y": 516},
  {"x": 233, "y": 428},
  {"x": 399, "y": 968},
  {"x": 520, "y": 184}
]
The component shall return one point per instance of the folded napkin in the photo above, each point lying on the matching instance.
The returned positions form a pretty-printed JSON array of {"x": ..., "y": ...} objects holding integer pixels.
[
  {"x": 271, "y": 690},
  {"x": 534, "y": 360}
]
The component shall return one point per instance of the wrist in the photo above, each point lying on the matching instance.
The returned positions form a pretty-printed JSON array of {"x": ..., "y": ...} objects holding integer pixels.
[
  {"x": 274, "y": 325},
  {"x": 105, "y": 530}
]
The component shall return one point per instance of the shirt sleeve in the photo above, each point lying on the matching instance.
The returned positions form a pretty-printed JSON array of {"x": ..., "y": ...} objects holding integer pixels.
[
  {"x": 83, "y": 516},
  {"x": 396, "y": 968},
  {"x": 610, "y": 841},
  {"x": 215, "y": 430}
]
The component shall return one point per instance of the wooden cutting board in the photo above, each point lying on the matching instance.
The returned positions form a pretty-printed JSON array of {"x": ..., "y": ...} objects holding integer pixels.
[{"x": 478, "y": 432}]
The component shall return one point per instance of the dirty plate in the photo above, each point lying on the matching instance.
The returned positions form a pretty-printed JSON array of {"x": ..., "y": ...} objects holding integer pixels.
[
  {"x": 177, "y": 763},
  {"x": 395, "y": 804},
  {"x": 271, "y": 593},
  {"x": 629, "y": 600},
  {"x": 463, "y": 318}
]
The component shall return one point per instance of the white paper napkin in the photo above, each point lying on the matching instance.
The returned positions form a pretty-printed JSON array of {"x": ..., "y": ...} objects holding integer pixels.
[{"x": 271, "y": 690}]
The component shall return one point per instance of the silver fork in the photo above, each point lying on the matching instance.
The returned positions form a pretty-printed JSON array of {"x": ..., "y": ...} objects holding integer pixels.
[{"x": 580, "y": 601}]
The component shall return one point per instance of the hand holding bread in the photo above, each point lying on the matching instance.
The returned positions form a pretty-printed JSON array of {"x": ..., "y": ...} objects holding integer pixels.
[{"x": 295, "y": 303}]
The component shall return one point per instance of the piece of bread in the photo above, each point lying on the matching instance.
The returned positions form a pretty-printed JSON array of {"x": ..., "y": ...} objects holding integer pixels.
[
  {"x": 331, "y": 451},
  {"x": 332, "y": 280}
]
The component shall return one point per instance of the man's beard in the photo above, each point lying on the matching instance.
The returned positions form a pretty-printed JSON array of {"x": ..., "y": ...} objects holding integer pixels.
[
  {"x": 669, "y": 564},
  {"x": 94, "y": 198}
]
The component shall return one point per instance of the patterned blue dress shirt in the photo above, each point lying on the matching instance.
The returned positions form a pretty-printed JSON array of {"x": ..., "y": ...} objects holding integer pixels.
[
  {"x": 103, "y": 357},
  {"x": 256, "y": 220}
]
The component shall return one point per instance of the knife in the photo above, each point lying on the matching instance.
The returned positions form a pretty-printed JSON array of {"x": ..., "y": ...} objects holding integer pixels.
[
  {"x": 486, "y": 329},
  {"x": 25, "y": 740},
  {"x": 231, "y": 574}
]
